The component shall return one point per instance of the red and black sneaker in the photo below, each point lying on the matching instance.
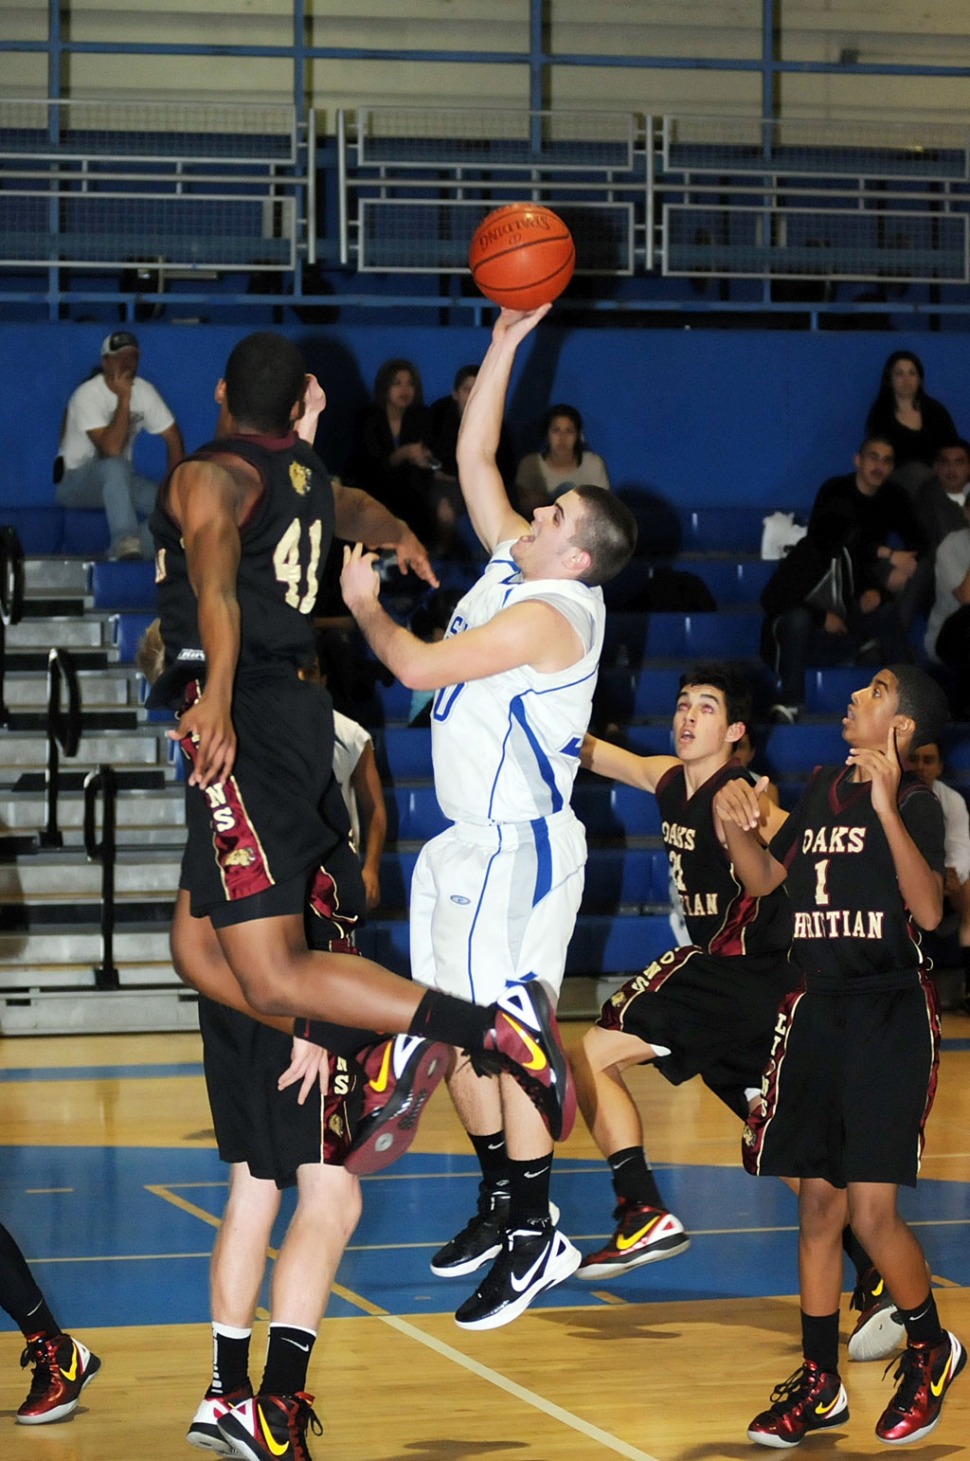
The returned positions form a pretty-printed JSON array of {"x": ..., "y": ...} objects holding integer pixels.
[
  {"x": 271, "y": 1427},
  {"x": 643, "y": 1235},
  {"x": 879, "y": 1329},
  {"x": 204, "y": 1429},
  {"x": 925, "y": 1372},
  {"x": 523, "y": 1039},
  {"x": 400, "y": 1073},
  {"x": 62, "y": 1368},
  {"x": 811, "y": 1399}
]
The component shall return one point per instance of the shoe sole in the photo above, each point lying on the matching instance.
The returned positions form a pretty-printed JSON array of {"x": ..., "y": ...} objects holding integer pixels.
[
  {"x": 565, "y": 1266},
  {"x": 389, "y": 1132},
  {"x": 918, "y": 1435},
  {"x": 472, "y": 1265},
  {"x": 63, "y": 1411},
  {"x": 679, "y": 1243},
  {"x": 765, "y": 1438},
  {"x": 210, "y": 1440},
  {"x": 878, "y": 1338}
]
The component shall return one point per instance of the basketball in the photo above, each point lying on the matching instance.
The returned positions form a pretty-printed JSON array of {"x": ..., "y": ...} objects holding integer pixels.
[{"x": 522, "y": 256}]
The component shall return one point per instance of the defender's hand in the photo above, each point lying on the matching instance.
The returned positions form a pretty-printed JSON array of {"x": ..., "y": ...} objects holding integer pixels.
[
  {"x": 206, "y": 734},
  {"x": 412, "y": 554},
  {"x": 359, "y": 584},
  {"x": 739, "y": 802}
]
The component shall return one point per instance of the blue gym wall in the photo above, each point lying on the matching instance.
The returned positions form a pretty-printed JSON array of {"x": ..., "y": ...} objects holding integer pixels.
[{"x": 698, "y": 416}]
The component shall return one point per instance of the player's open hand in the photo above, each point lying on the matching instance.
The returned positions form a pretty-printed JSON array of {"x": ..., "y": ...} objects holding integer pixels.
[
  {"x": 739, "y": 803},
  {"x": 412, "y": 554},
  {"x": 359, "y": 584},
  {"x": 883, "y": 769},
  {"x": 515, "y": 324},
  {"x": 207, "y": 737},
  {"x": 309, "y": 1064}
]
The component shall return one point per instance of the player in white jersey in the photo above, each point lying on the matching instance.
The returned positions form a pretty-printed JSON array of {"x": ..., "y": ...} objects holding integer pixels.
[{"x": 495, "y": 897}]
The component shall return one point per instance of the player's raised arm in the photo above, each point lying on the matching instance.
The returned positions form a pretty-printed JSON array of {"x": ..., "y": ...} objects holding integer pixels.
[
  {"x": 612, "y": 761},
  {"x": 493, "y": 516}
]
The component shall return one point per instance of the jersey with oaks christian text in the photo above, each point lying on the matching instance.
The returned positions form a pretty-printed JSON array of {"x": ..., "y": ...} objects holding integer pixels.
[
  {"x": 721, "y": 917},
  {"x": 506, "y": 747},
  {"x": 285, "y": 540},
  {"x": 850, "y": 924}
]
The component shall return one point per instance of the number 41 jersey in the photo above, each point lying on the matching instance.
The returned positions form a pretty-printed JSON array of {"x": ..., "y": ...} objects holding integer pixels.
[
  {"x": 285, "y": 540},
  {"x": 506, "y": 747}
]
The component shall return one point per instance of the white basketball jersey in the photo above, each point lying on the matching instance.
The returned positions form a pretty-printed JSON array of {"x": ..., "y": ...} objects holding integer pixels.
[{"x": 506, "y": 748}]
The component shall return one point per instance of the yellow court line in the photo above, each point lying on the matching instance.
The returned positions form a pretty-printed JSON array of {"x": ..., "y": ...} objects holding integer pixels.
[
  {"x": 274, "y": 1253},
  {"x": 34, "y": 1191},
  {"x": 528, "y": 1397}
]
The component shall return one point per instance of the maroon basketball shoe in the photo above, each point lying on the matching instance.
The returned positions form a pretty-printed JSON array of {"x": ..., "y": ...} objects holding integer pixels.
[
  {"x": 524, "y": 1040},
  {"x": 925, "y": 1372},
  {"x": 643, "y": 1235},
  {"x": 809, "y": 1400},
  {"x": 204, "y": 1429},
  {"x": 62, "y": 1368},
  {"x": 399, "y": 1075},
  {"x": 879, "y": 1329},
  {"x": 271, "y": 1427}
]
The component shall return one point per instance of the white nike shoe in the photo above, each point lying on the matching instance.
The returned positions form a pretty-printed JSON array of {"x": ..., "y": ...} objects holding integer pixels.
[
  {"x": 204, "y": 1431},
  {"x": 532, "y": 1259}
]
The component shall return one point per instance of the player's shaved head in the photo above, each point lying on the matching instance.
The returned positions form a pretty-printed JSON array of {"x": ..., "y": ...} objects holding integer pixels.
[{"x": 265, "y": 376}]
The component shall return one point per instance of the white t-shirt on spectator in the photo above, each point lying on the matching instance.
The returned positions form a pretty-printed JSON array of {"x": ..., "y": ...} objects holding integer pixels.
[
  {"x": 956, "y": 838},
  {"x": 349, "y": 740},
  {"x": 93, "y": 406}
]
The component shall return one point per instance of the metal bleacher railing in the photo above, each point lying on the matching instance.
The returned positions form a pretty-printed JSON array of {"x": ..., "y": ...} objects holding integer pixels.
[{"x": 180, "y": 186}]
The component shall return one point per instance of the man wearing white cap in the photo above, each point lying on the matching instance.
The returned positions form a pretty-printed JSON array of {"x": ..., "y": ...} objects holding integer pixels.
[{"x": 94, "y": 466}]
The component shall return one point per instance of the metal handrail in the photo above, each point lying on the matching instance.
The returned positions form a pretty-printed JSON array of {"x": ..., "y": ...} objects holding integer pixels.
[
  {"x": 104, "y": 781},
  {"x": 11, "y": 600},
  {"x": 63, "y": 734}
]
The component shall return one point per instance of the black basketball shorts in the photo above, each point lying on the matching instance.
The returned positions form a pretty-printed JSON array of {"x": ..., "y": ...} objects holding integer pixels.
[
  {"x": 715, "y": 1014},
  {"x": 848, "y": 1087},
  {"x": 279, "y": 814}
]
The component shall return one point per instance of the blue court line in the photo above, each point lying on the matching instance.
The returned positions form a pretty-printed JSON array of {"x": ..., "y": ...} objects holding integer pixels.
[
  {"x": 955, "y": 1043},
  {"x": 100, "y": 1072}
]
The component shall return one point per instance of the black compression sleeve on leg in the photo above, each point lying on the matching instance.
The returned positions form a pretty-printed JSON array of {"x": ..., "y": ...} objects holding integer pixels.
[
  {"x": 820, "y": 1340},
  {"x": 857, "y": 1255},
  {"x": 19, "y": 1293},
  {"x": 455, "y": 1021}
]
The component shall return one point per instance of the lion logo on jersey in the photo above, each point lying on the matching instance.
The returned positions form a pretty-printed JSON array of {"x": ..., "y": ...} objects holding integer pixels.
[
  {"x": 300, "y": 478},
  {"x": 240, "y": 857}
]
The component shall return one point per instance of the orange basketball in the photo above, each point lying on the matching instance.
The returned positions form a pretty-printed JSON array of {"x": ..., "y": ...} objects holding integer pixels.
[{"x": 522, "y": 256}]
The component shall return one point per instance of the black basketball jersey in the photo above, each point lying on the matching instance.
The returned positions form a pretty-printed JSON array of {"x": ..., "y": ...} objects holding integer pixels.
[
  {"x": 721, "y": 917},
  {"x": 850, "y": 921},
  {"x": 285, "y": 541}
]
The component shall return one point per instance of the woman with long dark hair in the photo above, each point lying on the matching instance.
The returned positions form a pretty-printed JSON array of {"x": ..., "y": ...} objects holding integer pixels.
[
  {"x": 915, "y": 424},
  {"x": 391, "y": 459},
  {"x": 565, "y": 461}
]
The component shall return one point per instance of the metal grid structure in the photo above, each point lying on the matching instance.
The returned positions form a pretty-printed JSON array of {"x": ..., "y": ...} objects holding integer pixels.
[
  {"x": 182, "y": 187},
  {"x": 918, "y": 150},
  {"x": 421, "y": 236},
  {"x": 415, "y": 183},
  {"x": 814, "y": 243}
]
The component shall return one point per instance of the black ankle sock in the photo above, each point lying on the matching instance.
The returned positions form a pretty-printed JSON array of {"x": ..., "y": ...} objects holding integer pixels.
[
  {"x": 455, "y": 1021},
  {"x": 494, "y": 1162},
  {"x": 632, "y": 1177},
  {"x": 820, "y": 1340},
  {"x": 287, "y": 1358},
  {"x": 857, "y": 1255},
  {"x": 41, "y": 1321},
  {"x": 529, "y": 1186},
  {"x": 230, "y": 1360},
  {"x": 922, "y": 1323},
  {"x": 338, "y": 1039}
]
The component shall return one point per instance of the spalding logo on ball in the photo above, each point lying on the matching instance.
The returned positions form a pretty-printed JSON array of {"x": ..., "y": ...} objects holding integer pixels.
[{"x": 522, "y": 256}]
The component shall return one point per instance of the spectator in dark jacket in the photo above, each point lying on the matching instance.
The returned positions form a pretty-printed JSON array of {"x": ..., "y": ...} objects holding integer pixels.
[
  {"x": 392, "y": 459},
  {"x": 942, "y": 499},
  {"x": 914, "y": 424}
]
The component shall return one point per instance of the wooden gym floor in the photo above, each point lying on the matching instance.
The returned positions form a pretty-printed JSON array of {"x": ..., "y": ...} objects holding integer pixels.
[{"x": 111, "y": 1183}]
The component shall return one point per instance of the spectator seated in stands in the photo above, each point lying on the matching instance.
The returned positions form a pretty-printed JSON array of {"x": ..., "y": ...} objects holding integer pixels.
[
  {"x": 942, "y": 499},
  {"x": 93, "y": 468},
  {"x": 914, "y": 424},
  {"x": 889, "y": 545},
  {"x": 391, "y": 458},
  {"x": 815, "y": 613},
  {"x": 446, "y": 414},
  {"x": 948, "y": 628},
  {"x": 565, "y": 461},
  {"x": 927, "y": 762}
]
